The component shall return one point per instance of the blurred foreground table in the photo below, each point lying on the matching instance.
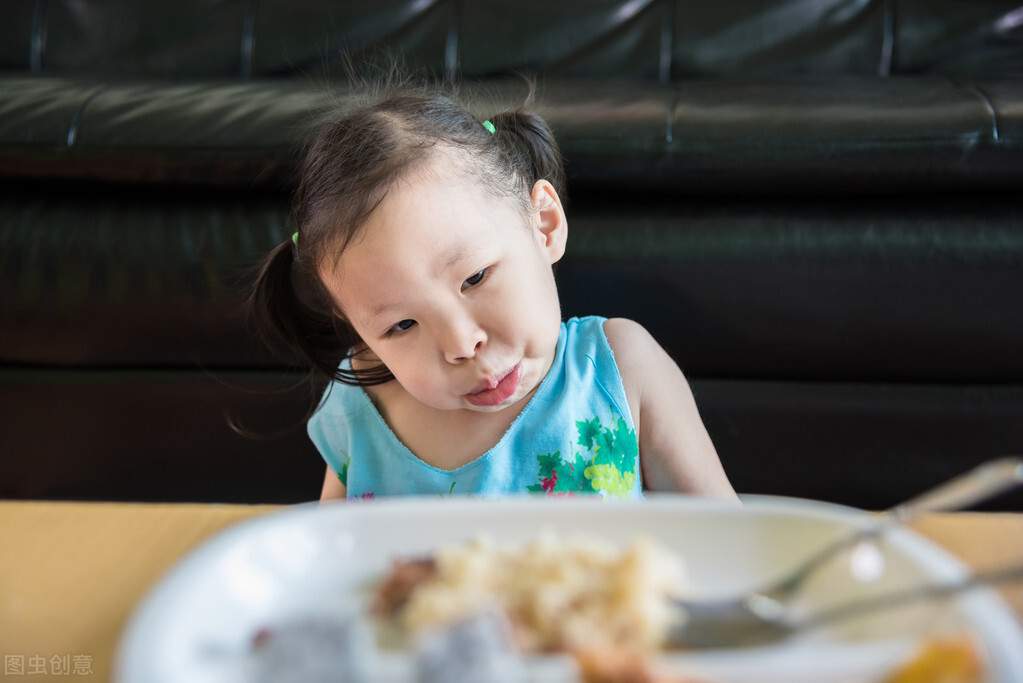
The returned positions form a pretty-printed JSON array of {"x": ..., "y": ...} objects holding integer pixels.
[{"x": 71, "y": 573}]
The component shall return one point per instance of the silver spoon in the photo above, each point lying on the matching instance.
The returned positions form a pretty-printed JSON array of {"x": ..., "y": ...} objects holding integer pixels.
[
  {"x": 779, "y": 626},
  {"x": 715, "y": 623}
]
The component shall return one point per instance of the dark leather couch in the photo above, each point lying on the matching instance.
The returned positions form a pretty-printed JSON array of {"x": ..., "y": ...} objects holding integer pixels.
[{"x": 814, "y": 205}]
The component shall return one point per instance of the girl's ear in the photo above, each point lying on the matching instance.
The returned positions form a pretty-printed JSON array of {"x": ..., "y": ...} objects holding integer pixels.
[{"x": 550, "y": 222}]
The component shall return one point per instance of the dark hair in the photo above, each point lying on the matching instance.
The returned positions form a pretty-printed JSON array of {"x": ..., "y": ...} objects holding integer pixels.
[{"x": 351, "y": 164}]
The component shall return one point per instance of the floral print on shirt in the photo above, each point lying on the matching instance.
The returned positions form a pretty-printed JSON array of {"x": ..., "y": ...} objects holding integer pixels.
[{"x": 606, "y": 466}]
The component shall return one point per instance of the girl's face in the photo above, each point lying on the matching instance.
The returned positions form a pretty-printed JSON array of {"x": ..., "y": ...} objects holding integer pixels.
[{"x": 452, "y": 288}]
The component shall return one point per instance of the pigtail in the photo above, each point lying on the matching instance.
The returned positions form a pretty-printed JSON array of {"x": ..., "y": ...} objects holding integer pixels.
[
  {"x": 527, "y": 138},
  {"x": 289, "y": 312},
  {"x": 284, "y": 319}
]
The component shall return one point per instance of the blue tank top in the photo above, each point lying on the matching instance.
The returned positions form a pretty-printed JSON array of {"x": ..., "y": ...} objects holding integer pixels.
[{"x": 574, "y": 437}]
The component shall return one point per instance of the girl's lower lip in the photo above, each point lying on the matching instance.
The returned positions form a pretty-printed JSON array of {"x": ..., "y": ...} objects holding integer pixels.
[{"x": 499, "y": 394}]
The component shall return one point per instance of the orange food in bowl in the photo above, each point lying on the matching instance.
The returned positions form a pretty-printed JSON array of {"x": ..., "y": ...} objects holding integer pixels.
[{"x": 942, "y": 660}]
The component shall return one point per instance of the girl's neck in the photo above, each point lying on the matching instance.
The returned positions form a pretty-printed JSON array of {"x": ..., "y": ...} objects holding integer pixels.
[{"x": 445, "y": 439}]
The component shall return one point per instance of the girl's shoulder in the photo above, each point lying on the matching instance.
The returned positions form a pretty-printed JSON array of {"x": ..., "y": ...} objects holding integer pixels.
[
  {"x": 627, "y": 337},
  {"x": 637, "y": 354}
]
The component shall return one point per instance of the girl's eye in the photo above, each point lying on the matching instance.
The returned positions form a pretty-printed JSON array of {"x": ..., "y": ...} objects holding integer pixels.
[
  {"x": 403, "y": 326},
  {"x": 474, "y": 280}
]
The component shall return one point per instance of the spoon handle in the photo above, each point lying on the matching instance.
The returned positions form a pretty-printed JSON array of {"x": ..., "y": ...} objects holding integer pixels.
[
  {"x": 973, "y": 486},
  {"x": 980, "y": 483},
  {"x": 899, "y": 597}
]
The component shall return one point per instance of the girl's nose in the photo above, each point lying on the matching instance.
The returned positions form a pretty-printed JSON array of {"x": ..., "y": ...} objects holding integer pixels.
[{"x": 464, "y": 340}]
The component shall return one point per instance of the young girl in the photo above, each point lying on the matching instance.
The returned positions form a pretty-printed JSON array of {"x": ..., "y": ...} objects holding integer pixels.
[{"x": 420, "y": 282}]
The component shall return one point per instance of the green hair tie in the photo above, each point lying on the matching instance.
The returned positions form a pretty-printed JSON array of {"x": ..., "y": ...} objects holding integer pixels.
[
  {"x": 490, "y": 127},
  {"x": 294, "y": 238}
]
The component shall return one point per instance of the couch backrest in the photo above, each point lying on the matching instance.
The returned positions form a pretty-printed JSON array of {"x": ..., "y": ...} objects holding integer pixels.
[
  {"x": 145, "y": 150},
  {"x": 653, "y": 40}
]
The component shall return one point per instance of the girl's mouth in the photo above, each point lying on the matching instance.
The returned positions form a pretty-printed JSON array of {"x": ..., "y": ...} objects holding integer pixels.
[{"x": 496, "y": 392}]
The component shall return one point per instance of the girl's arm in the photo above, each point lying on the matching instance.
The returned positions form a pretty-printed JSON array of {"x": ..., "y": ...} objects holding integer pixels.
[
  {"x": 333, "y": 489},
  {"x": 676, "y": 453}
]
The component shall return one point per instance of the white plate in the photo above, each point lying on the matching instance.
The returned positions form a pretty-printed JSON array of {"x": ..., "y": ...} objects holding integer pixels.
[{"x": 312, "y": 560}]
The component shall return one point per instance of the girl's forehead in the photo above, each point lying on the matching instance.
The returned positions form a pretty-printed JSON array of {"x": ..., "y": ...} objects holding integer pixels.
[
  {"x": 432, "y": 218},
  {"x": 454, "y": 168},
  {"x": 443, "y": 165},
  {"x": 444, "y": 190},
  {"x": 442, "y": 199}
]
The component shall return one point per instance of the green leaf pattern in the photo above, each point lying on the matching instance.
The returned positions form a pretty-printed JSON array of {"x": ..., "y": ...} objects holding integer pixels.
[{"x": 610, "y": 468}]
